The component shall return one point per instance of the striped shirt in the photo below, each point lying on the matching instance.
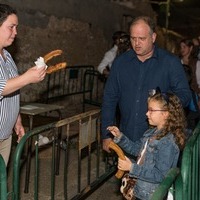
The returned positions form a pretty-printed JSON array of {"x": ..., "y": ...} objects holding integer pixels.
[{"x": 9, "y": 104}]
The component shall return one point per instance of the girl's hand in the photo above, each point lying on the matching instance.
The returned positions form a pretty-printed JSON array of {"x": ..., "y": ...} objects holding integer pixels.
[
  {"x": 114, "y": 130},
  {"x": 124, "y": 165}
]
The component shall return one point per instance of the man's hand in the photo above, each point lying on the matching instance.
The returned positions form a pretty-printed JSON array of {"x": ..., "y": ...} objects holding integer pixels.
[
  {"x": 106, "y": 72},
  {"x": 105, "y": 144}
]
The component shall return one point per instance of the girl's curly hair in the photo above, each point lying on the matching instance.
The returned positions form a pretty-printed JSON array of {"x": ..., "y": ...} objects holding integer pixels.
[{"x": 176, "y": 122}]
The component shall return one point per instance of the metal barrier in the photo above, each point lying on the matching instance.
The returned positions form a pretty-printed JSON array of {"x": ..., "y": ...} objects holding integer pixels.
[
  {"x": 186, "y": 186},
  {"x": 84, "y": 166},
  {"x": 82, "y": 80},
  {"x": 164, "y": 187},
  {"x": 3, "y": 179},
  {"x": 93, "y": 84},
  {"x": 65, "y": 82}
]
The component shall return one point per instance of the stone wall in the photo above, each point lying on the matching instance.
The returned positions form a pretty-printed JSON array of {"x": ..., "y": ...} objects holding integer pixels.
[
  {"x": 77, "y": 39},
  {"x": 82, "y": 29}
]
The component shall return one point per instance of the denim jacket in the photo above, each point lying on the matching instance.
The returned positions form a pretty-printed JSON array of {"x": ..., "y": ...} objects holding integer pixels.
[{"x": 160, "y": 156}]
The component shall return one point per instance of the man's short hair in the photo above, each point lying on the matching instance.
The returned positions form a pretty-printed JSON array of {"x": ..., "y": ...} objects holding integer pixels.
[{"x": 148, "y": 20}]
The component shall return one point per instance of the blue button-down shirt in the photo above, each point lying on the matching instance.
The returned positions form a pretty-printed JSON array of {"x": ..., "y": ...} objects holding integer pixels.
[{"x": 129, "y": 83}]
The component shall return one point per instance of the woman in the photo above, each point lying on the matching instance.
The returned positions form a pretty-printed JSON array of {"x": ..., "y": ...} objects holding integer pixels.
[
  {"x": 11, "y": 82},
  {"x": 189, "y": 60}
]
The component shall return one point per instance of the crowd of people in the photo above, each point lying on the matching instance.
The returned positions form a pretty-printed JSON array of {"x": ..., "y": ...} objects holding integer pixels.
[{"x": 190, "y": 58}]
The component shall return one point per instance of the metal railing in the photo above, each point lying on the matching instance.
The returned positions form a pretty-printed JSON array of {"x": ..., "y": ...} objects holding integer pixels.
[
  {"x": 186, "y": 182},
  {"x": 65, "y": 82},
  {"x": 84, "y": 159},
  {"x": 93, "y": 84},
  {"x": 3, "y": 179},
  {"x": 83, "y": 167}
]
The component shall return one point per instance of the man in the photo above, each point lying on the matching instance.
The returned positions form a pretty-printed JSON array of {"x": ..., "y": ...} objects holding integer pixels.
[
  {"x": 133, "y": 75},
  {"x": 110, "y": 55}
]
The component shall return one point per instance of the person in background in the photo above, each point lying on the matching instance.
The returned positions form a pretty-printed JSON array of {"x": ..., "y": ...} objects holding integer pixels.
[
  {"x": 192, "y": 111},
  {"x": 133, "y": 74},
  {"x": 158, "y": 150},
  {"x": 189, "y": 59},
  {"x": 186, "y": 47},
  {"x": 124, "y": 44},
  {"x": 196, "y": 43},
  {"x": 119, "y": 46},
  {"x": 11, "y": 82}
]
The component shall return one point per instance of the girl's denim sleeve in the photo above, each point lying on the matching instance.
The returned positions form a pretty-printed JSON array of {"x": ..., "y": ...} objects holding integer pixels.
[{"x": 132, "y": 148}]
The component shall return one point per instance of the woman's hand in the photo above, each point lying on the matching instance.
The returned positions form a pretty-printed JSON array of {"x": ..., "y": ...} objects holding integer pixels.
[
  {"x": 32, "y": 75},
  {"x": 35, "y": 74},
  {"x": 19, "y": 129}
]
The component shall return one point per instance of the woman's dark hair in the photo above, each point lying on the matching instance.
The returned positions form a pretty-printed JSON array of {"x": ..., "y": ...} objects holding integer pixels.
[
  {"x": 187, "y": 42},
  {"x": 195, "y": 49},
  {"x": 5, "y": 11}
]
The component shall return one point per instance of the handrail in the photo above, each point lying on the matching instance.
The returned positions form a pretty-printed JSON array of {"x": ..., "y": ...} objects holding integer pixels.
[
  {"x": 3, "y": 179},
  {"x": 17, "y": 157},
  {"x": 163, "y": 188},
  {"x": 186, "y": 182},
  {"x": 190, "y": 164},
  {"x": 36, "y": 131}
]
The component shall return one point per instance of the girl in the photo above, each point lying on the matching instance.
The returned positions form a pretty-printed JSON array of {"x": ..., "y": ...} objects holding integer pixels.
[{"x": 158, "y": 150}]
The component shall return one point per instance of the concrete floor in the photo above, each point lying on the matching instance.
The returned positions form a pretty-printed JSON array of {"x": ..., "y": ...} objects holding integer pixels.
[{"x": 107, "y": 191}]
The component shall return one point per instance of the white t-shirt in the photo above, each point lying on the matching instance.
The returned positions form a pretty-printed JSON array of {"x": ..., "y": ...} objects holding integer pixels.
[{"x": 108, "y": 59}]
